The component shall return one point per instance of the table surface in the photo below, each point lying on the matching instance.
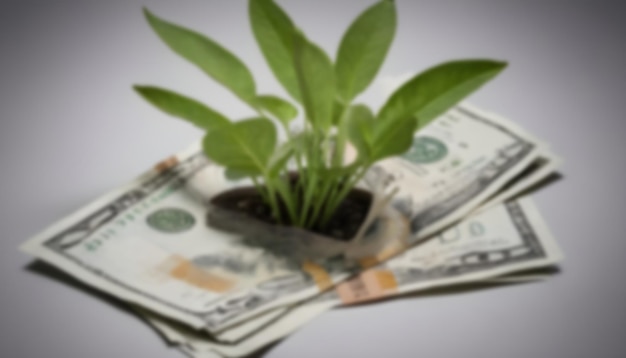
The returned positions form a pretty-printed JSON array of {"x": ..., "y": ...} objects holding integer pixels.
[{"x": 71, "y": 128}]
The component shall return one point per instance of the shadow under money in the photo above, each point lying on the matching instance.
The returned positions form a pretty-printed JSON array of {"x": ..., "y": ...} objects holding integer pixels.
[
  {"x": 48, "y": 271},
  {"x": 542, "y": 184}
]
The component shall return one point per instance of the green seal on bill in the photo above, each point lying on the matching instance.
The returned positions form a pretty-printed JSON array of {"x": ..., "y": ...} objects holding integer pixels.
[
  {"x": 171, "y": 220},
  {"x": 426, "y": 150}
]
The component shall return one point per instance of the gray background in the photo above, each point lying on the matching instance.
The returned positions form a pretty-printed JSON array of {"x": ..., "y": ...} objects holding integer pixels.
[{"x": 71, "y": 129}]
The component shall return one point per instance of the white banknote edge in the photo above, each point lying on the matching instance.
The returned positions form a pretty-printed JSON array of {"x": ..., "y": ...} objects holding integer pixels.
[
  {"x": 289, "y": 323},
  {"x": 553, "y": 164},
  {"x": 299, "y": 317}
]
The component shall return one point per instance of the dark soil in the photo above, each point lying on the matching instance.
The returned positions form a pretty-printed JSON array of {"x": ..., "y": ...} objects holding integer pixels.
[{"x": 343, "y": 225}]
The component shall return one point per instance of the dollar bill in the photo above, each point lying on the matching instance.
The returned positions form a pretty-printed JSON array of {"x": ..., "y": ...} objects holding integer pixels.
[
  {"x": 486, "y": 247},
  {"x": 282, "y": 322},
  {"x": 148, "y": 242},
  {"x": 544, "y": 167}
]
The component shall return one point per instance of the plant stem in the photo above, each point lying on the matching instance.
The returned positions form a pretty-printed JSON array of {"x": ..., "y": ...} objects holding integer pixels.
[
  {"x": 308, "y": 196},
  {"x": 298, "y": 186},
  {"x": 335, "y": 201},
  {"x": 305, "y": 176},
  {"x": 326, "y": 186},
  {"x": 286, "y": 194},
  {"x": 284, "y": 191},
  {"x": 260, "y": 189},
  {"x": 272, "y": 200},
  {"x": 312, "y": 181},
  {"x": 340, "y": 139}
]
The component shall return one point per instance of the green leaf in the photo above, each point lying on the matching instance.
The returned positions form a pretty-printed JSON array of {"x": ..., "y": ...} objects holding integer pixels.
[
  {"x": 338, "y": 108},
  {"x": 393, "y": 139},
  {"x": 274, "y": 31},
  {"x": 213, "y": 59},
  {"x": 363, "y": 49},
  {"x": 183, "y": 107},
  {"x": 302, "y": 141},
  {"x": 437, "y": 89},
  {"x": 360, "y": 127},
  {"x": 376, "y": 139},
  {"x": 317, "y": 82},
  {"x": 280, "y": 158},
  {"x": 234, "y": 174},
  {"x": 278, "y": 107},
  {"x": 245, "y": 146}
]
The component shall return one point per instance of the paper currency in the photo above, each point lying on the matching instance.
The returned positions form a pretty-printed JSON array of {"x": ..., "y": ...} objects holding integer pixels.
[
  {"x": 147, "y": 243},
  {"x": 536, "y": 172},
  {"x": 507, "y": 238}
]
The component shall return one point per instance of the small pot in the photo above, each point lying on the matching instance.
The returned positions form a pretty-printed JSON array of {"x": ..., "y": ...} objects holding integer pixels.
[{"x": 387, "y": 230}]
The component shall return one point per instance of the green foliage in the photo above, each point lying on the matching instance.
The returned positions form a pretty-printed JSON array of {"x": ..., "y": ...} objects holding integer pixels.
[
  {"x": 360, "y": 128},
  {"x": 282, "y": 110},
  {"x": 245, "y": 146},
  {"x": 209, "y": 56},
  {"x": 325, "y": 90},
  {"x": 363, "y": 49},
  {"x": 274, "y": 31},
  {"x": 435, "y": 90},
  {"x": 183, "y": 107},
  {"x": 376, "y": 139},
  {"x": 316, "y": 80}
]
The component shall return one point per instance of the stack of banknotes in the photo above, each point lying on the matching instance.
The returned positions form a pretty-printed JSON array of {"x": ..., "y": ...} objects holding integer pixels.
[{"x": 463, "y": 188}]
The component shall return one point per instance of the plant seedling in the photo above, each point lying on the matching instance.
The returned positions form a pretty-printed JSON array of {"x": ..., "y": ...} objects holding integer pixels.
[{"x": 324, "y": 91}]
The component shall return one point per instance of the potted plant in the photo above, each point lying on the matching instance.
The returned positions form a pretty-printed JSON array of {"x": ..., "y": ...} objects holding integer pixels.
[{"x": 305, "y": 187}]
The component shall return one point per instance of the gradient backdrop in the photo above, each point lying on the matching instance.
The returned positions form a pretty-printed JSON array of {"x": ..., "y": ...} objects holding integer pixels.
[{"x": 71, "y": 129}]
